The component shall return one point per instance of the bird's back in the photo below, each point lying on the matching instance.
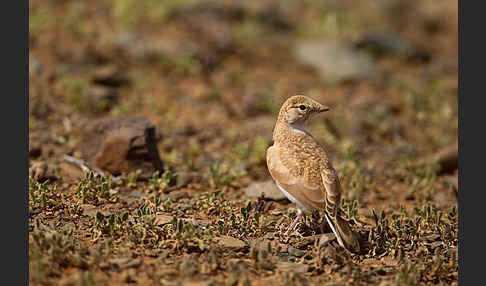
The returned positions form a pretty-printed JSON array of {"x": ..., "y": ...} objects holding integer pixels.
[{"x": 296, "y": 161}]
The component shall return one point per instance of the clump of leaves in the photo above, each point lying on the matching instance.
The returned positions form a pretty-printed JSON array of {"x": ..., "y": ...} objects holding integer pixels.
[
  {"x": 221, "y": 176},
  {"x": 113, "y": 224},
  {"x": 160, "y": 182},
  {"x": 132, "y": 178},
  {"x": 248, "y": 224},
  {"x": 56, "y": 245},
  {"x": 187, "y": 64},
  {"x": 356, "y": 178},
  {"x": 40, "y": 196},
  {"x": 189, "y": 236},
  {"x": 213, "y": 203},
  {"x": 130, "y": 12},
  {"x": 142, "y": 228},
  {"x": 50, "y": 251},
  {"x": 350, "y": 208},
  {"x": 38, "y": 21},
  {"x": 73, "y": 88},
  {"x": 96, "y": 189},
  {"x": 422, "y": 179},
  {"x": 258, "y": 150},
  {"x": 254, "y": 151},
  {"x": 411, "y": 233}
]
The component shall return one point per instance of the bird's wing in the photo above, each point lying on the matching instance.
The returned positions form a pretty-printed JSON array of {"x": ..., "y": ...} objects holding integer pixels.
[
  {"x": 304, "y": 190},
  {"x": 332, "y": 187},
  {"x": 339, "y": 226}
]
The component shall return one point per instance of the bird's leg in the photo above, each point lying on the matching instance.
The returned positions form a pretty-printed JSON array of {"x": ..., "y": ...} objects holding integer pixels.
[
  {"x": 321, "y": 226},
  {"x": 292, "y": 225}
]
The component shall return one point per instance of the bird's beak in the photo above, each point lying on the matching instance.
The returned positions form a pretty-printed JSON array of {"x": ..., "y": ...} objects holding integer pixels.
[{"x": 324, "y": 108}]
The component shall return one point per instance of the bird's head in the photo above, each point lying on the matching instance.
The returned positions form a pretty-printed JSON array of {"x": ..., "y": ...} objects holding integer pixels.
[{"x": 299, "y": 109}]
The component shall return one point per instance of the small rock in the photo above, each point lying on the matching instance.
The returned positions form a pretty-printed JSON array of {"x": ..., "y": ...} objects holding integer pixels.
[
  {"x": 100, "y": 98},
  {"x": 41, "y": 108},
  {"x": 195, "y": 283},
  {"x": 126, "y": 39},
  {"x": 35, "y": 150},
  {"x": 138, "y": 195},
  {"x": 41, "y": 172},
  {"x": 110, "y": 76},
  {"x": 231, "y": 243},
  {"x": 273, "y": 16},
  {"x": 452, "y": 181},
  {"x": 130, "y": 276},
  {"x": 337, "y": 62},
  {"x": 89, "y": 210},
  {"x": 68, "y": 171},
  {"x": 125, "y": 262},
  {"x": 162, "y": 219},
  {"x": 35, "y": 66},
  {"x": 326, "y": 239},
  {"x": 268, "y": 188},
  {"x": 441, "y": 198},
  {"x": 295, "y": 252},
  {"x": 178, "y": 195},
  {"x": 292, "y": 267},
  {"x": 308, "y": 240},
  {"x": 384, "y": 43},
  {"x": 185, "y": 178}
]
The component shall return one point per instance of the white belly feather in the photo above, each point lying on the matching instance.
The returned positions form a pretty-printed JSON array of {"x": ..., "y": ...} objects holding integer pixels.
[{"x": 293, "y": 199}]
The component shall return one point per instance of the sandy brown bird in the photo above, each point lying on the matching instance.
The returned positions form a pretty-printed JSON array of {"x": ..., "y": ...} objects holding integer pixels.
[{"x": 302, "y": 171}]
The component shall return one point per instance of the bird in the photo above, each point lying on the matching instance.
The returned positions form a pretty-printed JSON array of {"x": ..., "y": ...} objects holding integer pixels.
[{"x": 301, "y": 169}]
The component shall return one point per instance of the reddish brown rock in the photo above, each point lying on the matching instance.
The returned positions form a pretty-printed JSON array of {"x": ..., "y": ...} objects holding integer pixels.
[{"x": 121, "y": 145}]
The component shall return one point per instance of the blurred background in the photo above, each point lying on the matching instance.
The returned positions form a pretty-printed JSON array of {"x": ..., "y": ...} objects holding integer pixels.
[{"x": 212, "y": 75}]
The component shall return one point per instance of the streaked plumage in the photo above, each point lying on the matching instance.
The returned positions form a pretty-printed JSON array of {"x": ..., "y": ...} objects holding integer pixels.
[{"x": 301, "y": 169}]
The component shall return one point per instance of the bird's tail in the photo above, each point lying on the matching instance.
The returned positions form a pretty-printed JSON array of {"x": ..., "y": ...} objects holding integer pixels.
[{"x": 344, "y": 234}]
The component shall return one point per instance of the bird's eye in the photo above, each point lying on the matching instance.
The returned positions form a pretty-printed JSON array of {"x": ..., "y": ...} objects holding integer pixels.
[{"x": 302, "y": 107}]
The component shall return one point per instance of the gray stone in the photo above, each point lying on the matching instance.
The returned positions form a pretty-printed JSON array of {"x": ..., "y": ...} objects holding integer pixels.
[
  {"x": 385, "y": 43},
  {"x": 295, "y": 252},
  {"x": 125, "y": 262},
  {"x": 35, "y": 66},
  {"x": 230, "y": 242},
  {"x": 337, "y": 62},
  {"x": 326, "y": 238},
  {"x": 292, "y": 267}
]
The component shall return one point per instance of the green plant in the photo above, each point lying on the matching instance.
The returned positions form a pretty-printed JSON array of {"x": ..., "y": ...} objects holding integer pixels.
[
  {"x": 95, "y": 189},
  {"x": 40, "y": 196},
  {"x": 220, "y": 176},
  {"x": 38, "y": 21},
  {"x": 112, "y": 224},
  {"x": 422, "y": 179},
  {"x": 160, "y": 182},
  {"x": 74, "y": 87},
  {"x": 350, "y": 208},
  {"x": 132, "y": 178}
]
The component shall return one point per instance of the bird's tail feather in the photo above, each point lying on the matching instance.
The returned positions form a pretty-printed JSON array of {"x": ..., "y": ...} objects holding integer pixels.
[{"x": 343, "y": 233}]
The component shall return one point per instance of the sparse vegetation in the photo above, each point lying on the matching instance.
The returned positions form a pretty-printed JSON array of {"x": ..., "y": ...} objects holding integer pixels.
[{"x": 211, "y": 76}]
